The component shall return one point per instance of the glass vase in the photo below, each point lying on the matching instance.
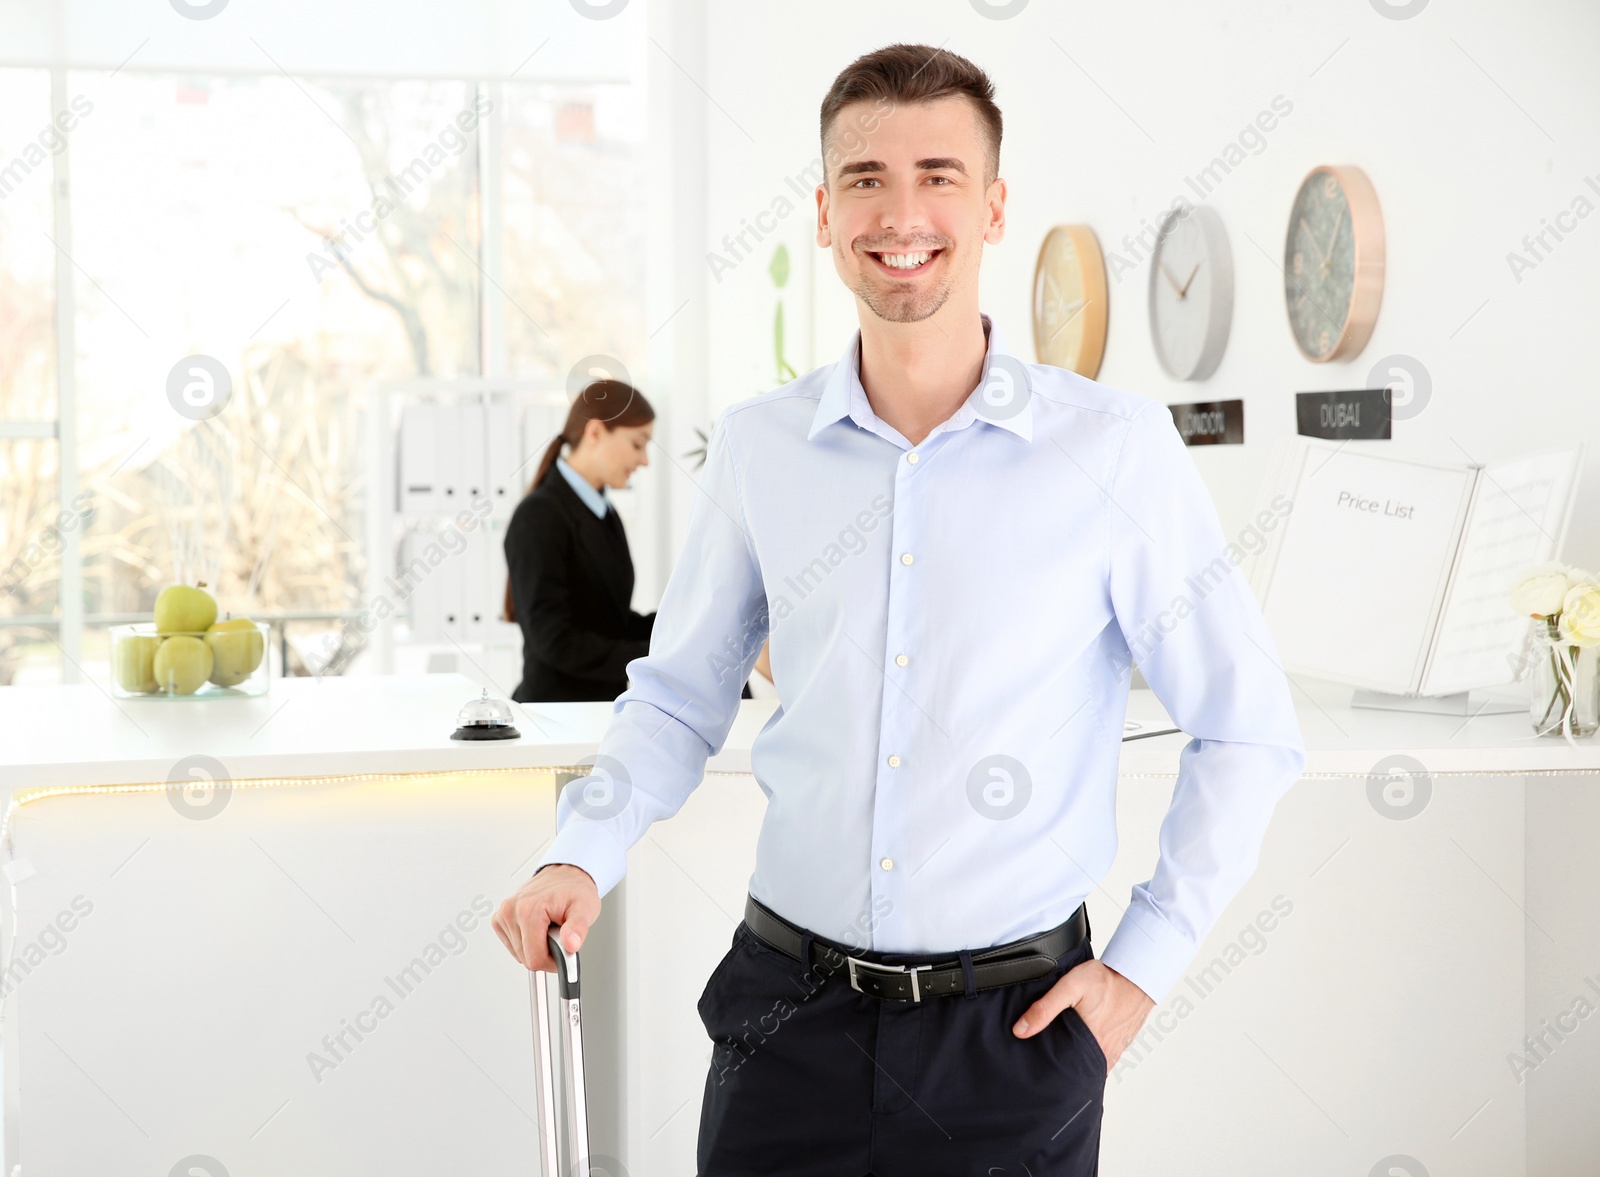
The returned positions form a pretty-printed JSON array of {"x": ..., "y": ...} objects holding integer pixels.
[{"x": 1564, "y": 686}]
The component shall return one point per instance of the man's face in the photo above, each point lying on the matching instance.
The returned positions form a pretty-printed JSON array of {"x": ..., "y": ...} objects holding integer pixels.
[{"x": 906, "y": 215}]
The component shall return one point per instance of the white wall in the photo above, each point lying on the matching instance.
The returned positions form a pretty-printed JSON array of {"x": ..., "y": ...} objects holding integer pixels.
[{"x": 1475, "y": 121}]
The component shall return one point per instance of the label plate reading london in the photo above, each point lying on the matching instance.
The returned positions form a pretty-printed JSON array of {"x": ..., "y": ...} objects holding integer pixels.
[{"x": 1210, "y": 422}]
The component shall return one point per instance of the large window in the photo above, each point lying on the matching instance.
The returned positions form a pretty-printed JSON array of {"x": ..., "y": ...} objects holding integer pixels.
[
  {"x": 28, "y": 143},
  {"x": 30, "y": 564},
  {"x": 311, "y": 238},
  {"x": 307, "y": 238},
  {"x": 574, "y": 227}
]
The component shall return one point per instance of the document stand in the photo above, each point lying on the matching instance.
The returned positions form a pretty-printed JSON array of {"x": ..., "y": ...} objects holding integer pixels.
[{"x": 1459, "y": 703}]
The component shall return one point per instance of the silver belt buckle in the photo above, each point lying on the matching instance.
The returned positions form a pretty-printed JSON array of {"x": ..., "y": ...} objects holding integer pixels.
[{"x": 916, "y": 986}]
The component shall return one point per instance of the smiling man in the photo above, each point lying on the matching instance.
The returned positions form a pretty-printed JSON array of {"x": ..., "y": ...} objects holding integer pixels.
[{"x": 956, "y": 554}]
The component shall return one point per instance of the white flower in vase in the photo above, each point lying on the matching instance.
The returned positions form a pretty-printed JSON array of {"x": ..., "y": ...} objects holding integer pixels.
[
  {"x": 1580, "y": 614},
  {"x": 1564, "y": 603},
  {"x": 1543, "y": 589}
]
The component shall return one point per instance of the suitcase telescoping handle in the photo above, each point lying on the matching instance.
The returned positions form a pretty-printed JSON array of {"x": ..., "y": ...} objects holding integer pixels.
[{"x": 558, "y": 1055}]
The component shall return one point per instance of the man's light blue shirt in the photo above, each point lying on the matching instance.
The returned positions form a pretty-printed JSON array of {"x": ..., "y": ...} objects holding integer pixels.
[
  {"x": 953, "y": 628},
  {"x": 594, "y": 499}
]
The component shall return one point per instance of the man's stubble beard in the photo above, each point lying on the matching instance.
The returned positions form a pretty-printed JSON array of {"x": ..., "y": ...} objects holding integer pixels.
[{"x": 901, "y": 307}]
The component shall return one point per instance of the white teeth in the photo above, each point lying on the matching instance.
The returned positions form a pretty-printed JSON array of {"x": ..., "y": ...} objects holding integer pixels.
[{"x": 905, "y": 261}]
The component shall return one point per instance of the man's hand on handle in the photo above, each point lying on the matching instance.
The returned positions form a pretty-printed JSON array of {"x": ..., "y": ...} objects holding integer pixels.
[
  {"x": 1112, "y": 1006},
  {"x": 559, "y": 894}
]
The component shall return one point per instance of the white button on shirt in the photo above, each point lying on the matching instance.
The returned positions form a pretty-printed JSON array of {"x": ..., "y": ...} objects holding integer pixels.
[{"x": 1059, "y": 534}]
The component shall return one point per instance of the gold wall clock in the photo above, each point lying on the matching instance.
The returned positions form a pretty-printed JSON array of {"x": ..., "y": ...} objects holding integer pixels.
[
  {"x": 1069, "y": 300},
  {"x": 1333, "y": 263}
]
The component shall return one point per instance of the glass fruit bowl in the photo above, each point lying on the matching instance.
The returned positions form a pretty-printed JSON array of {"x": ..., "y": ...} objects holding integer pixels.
[{"x": 230, "y": 658}]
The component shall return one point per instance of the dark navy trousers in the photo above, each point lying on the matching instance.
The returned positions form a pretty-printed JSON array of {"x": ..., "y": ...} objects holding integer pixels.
[{"x": 809, "y": 1078}]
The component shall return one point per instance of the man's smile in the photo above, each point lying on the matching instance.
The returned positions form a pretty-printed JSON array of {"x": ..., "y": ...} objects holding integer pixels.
[{"x": 903, "y": 263}]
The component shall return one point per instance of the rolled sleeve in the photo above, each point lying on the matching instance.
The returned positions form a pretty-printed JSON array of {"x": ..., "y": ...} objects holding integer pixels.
[
  {"x": 1196, "y": 630},
  {"x": 683, "y": 695}
]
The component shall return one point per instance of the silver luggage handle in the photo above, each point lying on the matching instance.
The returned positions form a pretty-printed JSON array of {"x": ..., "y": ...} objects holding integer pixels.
[{"x": 560, "y": 1083}]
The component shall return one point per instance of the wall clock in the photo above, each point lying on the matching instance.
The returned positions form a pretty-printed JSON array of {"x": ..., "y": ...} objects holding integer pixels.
[
  {"x": 1191, "y": 292},
  {"x": 1333, "y": 263},
  {"x": 1069, "y": 300}
]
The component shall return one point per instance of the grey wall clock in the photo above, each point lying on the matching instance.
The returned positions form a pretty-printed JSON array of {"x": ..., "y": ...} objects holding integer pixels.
[{"x": 1191, "y": 292}]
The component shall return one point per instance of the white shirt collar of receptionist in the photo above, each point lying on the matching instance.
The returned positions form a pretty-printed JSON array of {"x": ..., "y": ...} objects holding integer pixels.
[
  {"x": 844, "y": 395},
  {"x": 595, "y": 500}
]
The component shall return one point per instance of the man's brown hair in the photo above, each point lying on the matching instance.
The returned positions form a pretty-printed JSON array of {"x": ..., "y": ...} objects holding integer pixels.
[{"x": 912, "y": 73}]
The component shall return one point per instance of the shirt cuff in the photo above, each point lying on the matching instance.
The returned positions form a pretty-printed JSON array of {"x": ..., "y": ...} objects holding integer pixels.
[
  {"x": 588, "y": 844},
  {"x": 1148, "y": 951}
]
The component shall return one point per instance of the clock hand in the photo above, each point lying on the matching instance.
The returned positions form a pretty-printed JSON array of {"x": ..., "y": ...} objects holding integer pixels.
[
  {"x": 1190, "y": 279},
  {"x": 1170, "y": 282},
  {"x": 1306, "y": 229},
  {"x": 1076, "y": 306},
  {"x": 1327, "y": 256}
]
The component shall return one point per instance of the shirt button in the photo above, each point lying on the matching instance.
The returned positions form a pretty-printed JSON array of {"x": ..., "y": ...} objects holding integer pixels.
[
  {"x": 894, "y": 762},
  {"x": 901, "y": 660},
  {"x": 912, "y": 458},
  {"x": 905, "y": 557},
  {"x": 887, "y": 864}
]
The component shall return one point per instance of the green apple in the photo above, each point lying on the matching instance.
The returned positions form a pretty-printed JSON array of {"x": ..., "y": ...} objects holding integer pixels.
[
  {"x": 182, "y": 665},
  {"x": 183, "y": 609},
  {"x": 136, "y": 662},
  {"x": 236, "y": 650}
]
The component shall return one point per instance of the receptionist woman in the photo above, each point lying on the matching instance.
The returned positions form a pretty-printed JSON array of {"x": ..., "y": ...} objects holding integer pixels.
[{"x": 570, "y": 575}]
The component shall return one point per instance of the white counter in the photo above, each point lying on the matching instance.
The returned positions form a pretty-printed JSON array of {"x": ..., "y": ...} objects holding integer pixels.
[
  {"x": 67, "y": 735},
  {"x": 78, "y": 734},
  {"x": 179, "y": 1018}
]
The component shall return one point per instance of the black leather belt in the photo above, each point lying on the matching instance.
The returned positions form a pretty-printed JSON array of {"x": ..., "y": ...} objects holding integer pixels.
[{"x": 1004, "y": 964}]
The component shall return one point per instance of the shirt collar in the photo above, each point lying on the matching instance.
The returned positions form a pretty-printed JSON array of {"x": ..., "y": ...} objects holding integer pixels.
[
  {"x": 843, "y": 395},
  {"x": 594, "y": 499}
]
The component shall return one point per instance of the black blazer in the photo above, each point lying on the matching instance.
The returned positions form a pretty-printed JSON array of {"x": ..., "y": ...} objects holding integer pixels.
[{"x": 571, "y": 584}]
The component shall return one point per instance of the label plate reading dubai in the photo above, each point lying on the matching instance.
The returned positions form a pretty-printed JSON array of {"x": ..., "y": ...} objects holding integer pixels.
[
  {"x": 1210, "y": 422},
  {"x": 1363, "y": 413}
]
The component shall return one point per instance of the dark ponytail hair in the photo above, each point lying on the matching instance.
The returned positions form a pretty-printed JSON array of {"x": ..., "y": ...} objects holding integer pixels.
[{"x": 611, "y": 402}]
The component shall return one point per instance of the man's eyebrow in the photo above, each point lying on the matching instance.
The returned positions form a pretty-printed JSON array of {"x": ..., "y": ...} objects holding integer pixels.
[
  {"x": 932, "y": 164},
  {"x": 863, "y": 165}
]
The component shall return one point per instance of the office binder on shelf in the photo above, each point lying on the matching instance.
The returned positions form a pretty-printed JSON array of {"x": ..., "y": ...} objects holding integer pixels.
[
  {"x": 477, "y": 604},
  {"x": 419, "y": 462},
  {"x": 447, "y": 447},
  {"x": 420, "y": 583},
  {"x": 1394, "y": 575},
  {"x": 452, "y": 579},
  {"x": 504, "y": 489},
  {"x": 474, "y": 451}
]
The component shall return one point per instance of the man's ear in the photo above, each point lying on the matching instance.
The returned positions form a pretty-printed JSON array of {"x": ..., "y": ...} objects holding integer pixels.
[
  {"x": 824, "y": 231},
  {"x": 995, "y": 230}
]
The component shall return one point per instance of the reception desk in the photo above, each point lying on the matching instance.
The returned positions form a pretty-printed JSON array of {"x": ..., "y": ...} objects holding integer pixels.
[{"x": 253, "y": 935}]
